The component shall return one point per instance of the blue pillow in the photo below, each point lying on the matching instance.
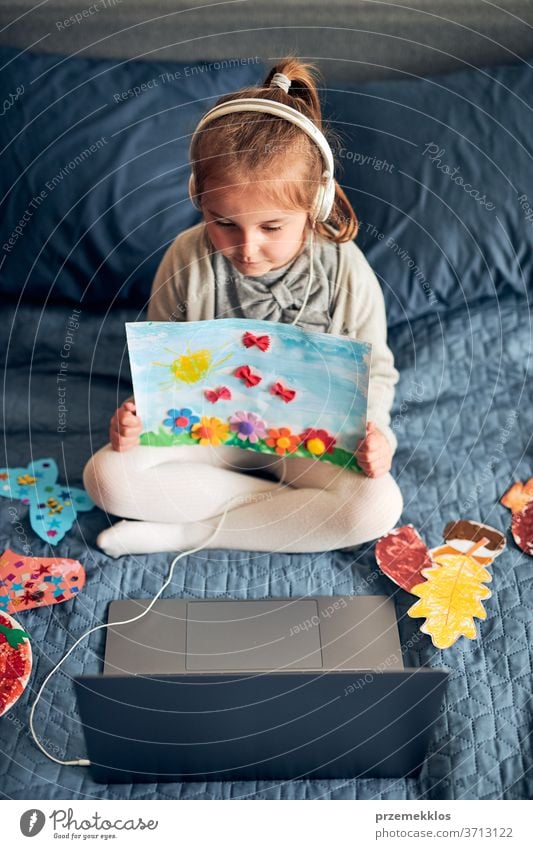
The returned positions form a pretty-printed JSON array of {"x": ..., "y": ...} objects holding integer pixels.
[
  {"x": 94, "y": 169},
  {"x": 440, "y": 172}
]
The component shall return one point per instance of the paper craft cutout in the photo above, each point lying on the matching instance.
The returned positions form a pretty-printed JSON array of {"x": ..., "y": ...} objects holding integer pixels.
[
  {"x": 454, "y": 596},
  {"x": 53, "y": 506},
  {"x": 451, "y": 596},
  {"x": 214, "y": 395},
  {"x": 460, "y": 535},
  {"x": 300, "y": 392},
  {"x": 27, "y": 582},
  {"x": 402, "y": 554},
  {"x": 522, "y": 529},
  {"x": 15, "y": 661},
  {"x": 519, "y": 499},
  {"x": 262, "y": 342},
  {"x": 518, "y": 496}
]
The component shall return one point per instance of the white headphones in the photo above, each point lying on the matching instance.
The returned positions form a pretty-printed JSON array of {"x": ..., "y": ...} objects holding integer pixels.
[{"x": 325, "y": 196}]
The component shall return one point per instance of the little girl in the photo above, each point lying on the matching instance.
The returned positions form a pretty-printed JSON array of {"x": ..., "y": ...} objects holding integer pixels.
[{"x": 255, "y": 179}]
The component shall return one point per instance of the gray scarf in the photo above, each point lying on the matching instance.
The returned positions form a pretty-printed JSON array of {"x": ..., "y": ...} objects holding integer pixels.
[{"x": 278, "y": 295}]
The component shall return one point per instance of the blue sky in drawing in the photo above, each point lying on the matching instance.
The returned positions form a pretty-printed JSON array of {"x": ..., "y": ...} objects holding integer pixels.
[{"x": 329, "y": 374}]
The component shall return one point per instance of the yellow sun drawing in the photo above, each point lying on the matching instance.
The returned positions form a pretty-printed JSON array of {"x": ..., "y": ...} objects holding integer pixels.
[{"x": 191, "y": 367}]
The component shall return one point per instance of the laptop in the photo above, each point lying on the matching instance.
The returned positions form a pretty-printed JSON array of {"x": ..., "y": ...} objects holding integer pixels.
[{"x": 273, "y": 689}]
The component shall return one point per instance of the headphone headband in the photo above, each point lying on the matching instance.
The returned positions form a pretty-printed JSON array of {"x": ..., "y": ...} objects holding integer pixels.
[
  {"x": 326, "y": 193},
  {"x": 271, "y": 107}
]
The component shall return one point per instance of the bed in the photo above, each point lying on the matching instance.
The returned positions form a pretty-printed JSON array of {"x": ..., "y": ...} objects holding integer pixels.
[{"x": 94, "y": 174}]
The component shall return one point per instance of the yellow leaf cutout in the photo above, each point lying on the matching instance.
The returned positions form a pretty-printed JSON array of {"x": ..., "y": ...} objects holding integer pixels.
[{"x": 450, "y": 598}]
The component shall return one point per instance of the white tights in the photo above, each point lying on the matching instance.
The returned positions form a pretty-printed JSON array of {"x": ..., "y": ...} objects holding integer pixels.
[{"x": 176, "y": 496}]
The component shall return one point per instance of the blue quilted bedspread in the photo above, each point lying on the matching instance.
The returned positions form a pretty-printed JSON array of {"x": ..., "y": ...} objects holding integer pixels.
[{"x": 463, "y": 416}]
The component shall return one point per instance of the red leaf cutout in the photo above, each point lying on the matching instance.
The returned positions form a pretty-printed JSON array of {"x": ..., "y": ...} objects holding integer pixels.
[
  {"x": 522, "y": 529},
  {"x": 401, "y": 555}
]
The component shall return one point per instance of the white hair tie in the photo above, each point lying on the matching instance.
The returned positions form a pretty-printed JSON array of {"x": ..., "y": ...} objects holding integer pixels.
[{"x": 281, "y": 81}]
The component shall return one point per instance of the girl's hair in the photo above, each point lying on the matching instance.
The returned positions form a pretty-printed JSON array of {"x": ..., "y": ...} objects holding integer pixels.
[{"x": 252, "y": 146}]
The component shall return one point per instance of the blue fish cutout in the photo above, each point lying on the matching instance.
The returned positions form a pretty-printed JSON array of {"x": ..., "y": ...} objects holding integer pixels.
[{"x": 53, "y": 506}]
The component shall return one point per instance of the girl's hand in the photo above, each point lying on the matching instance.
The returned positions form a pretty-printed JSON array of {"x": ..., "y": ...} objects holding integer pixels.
[
  {"x": 374, "y": 452},
  {"x": 125, "y": 427}
]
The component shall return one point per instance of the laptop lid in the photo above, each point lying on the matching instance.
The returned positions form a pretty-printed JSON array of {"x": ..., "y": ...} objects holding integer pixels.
[
  {"x": 186, "y": 636},
  {"x": 271, "y": 726}
]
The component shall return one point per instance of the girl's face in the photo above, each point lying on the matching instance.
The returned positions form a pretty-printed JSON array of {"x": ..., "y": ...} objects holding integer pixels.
[{"x": 247, "y": 229}]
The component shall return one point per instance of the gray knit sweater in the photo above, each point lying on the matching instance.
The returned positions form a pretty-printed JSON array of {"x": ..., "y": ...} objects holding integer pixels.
[{"x": 185, "y": 288}]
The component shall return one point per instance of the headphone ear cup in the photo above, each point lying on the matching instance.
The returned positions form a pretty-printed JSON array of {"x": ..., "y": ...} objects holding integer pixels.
[
  {"x": 327, "y": 199},
  {"x": 192, "y": 192},
  {"x": 318, "y": 205},
  {"x": 324, "y": 200}
]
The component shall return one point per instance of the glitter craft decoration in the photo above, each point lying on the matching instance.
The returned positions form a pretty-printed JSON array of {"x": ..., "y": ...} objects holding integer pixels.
[{"x": 53, "y": 506}]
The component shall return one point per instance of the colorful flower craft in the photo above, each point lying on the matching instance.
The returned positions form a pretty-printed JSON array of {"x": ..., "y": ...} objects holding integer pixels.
[
  {"x": 53, "y": 507},
  {"x": 180, "y": 420},
  {"x": 318, "y": 441},
  {"x": 282, "y": 440},
  {"x": 210, "y": 431},
  {"x": 248, "y": 426}
]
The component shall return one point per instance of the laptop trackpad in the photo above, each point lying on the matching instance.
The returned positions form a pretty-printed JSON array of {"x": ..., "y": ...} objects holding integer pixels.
[{"x": 253, "y": 635}]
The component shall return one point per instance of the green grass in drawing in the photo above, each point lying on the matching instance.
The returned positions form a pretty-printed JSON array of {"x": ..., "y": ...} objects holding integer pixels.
[{"x": 339, "y": 456}]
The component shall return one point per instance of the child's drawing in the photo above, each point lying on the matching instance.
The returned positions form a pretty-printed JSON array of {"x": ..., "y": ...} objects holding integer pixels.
[
  {"x": 259, "y": 385},
  {"x": 191, "y": 367}
]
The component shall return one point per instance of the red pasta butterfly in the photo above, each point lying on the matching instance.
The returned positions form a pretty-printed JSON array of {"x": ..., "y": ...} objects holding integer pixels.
[
  {"x": 245, "y": 373},
  {"x": 262, "y": 342},
  {"x": 283, "y": 391},
  {"x": 215, "y": 395}
]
